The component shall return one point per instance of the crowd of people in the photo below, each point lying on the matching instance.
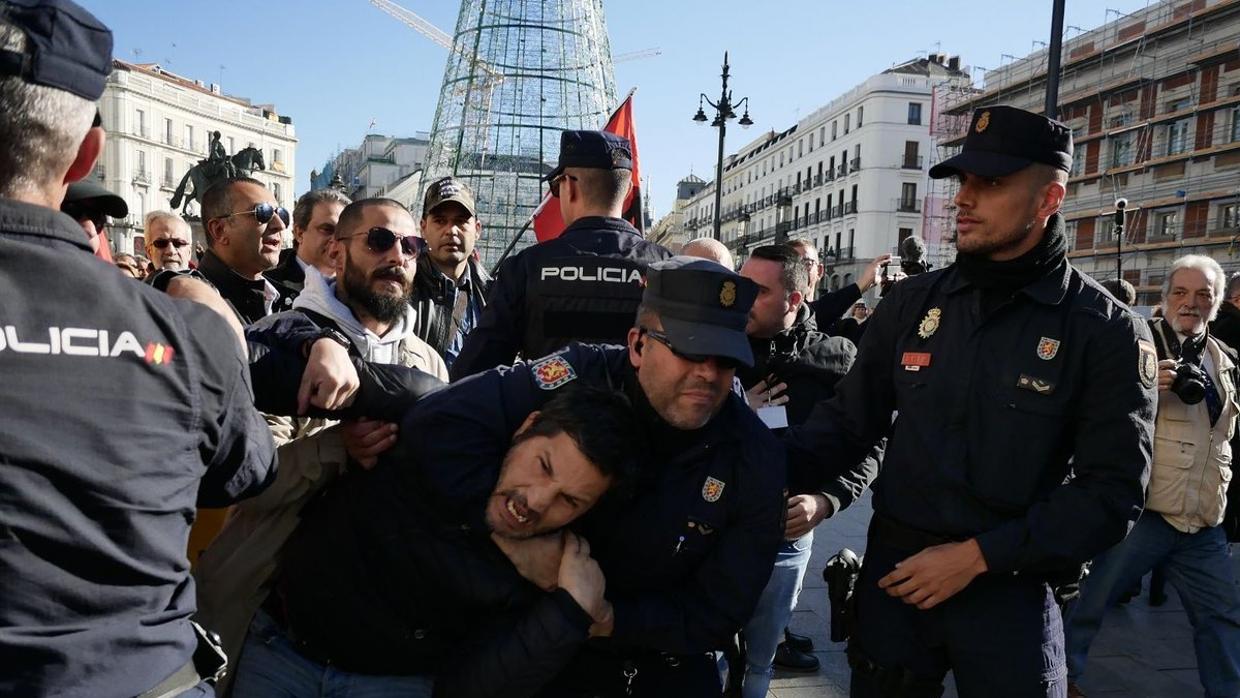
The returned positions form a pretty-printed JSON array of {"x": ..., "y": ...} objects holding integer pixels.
[{"x": 362, "y": 466}]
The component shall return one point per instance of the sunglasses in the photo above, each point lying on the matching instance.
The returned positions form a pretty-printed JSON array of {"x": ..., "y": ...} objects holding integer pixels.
[
  {"x": 724, "y": 362},
  {"x": 263, "y": 213},
  {"x": 380, "y": 240},
  {"x": 554, "y": 184},
  {"x": 164, "y": 242}
]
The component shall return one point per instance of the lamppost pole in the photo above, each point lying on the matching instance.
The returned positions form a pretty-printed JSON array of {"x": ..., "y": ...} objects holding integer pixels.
[{"x": 725, "y": 109}]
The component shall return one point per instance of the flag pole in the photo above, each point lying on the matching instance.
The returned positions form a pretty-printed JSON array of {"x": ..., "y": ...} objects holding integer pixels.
[{"x": 521, "y": 233}]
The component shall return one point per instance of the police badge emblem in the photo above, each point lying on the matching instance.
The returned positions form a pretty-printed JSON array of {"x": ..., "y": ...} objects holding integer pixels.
[
  {"x": 930, "y": 323},
  {"x": 727, "y": 294},
  {"x": 712, "y": 490},
  {"x": 983, "y": 122},
  {"x": 552, "y": 372},
  {"x": 1147, "y": 364},
  {"x": 1047, "y": 348}
]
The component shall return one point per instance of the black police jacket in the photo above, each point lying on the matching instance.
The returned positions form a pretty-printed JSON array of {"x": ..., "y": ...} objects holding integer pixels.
[
  {"x": 434, "y": 297},
  {"x": 808, "y": 361},
  {"x": 123, "y": 410},
  {"x": 992, "y": 413},
  {"x": 1226, "y": 327},
  {"x": 584, "y": 285}
]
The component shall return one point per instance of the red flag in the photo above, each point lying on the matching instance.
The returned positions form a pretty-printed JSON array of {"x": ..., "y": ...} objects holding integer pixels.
[
  {"x": 104, "y": 251},
  {"x": 547, "y": 222}
]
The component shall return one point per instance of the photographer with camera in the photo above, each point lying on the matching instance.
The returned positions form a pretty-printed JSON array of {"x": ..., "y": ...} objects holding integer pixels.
[{"x": 1184, "y": 527}]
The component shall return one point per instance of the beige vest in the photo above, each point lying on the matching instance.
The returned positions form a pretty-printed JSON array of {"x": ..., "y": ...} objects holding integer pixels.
[{"x": 1192, "y": 460}]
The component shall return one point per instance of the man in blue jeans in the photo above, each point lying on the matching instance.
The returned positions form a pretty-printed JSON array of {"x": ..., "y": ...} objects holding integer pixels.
[
  {"x": 795, "y": 366},
  {"x": 1187, "y": 496}
]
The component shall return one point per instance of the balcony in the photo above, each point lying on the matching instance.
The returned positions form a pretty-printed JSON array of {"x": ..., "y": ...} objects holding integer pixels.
[
  {"x": 912, "y": 162},
  {"x": 141, "y": 176},
  {"x": 829, "y": 176},
  {"x": 908, "y": 205},
  {"x": 837, "y": 211},
  {"x": 850, "y": 207},
  {"x": 841, "y": 171},
  {"x": 818, "y": 181},
  {"x": 854, "y": 164}
]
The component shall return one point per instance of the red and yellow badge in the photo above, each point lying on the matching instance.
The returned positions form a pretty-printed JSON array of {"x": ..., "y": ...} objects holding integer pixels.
[
  {"x": 712, "y": 490},
  {"x": 983, "y": 121},
  {"x": 1047, "y": 348},
  {"x": 552, "y": 372}
]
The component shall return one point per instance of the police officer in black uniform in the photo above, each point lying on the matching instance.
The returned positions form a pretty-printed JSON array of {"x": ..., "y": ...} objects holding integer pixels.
[
  {"x": 585, "y": 284},
  {"x": 123, "y": 408},
  {"x": 1006, "y": 370}
]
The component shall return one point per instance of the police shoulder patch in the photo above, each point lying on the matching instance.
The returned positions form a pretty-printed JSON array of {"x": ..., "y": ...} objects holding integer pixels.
[
  {"x": 552, "y": 372},
  {"x": 712, "y": 489},
  {"x": 1147, "y": 363}
]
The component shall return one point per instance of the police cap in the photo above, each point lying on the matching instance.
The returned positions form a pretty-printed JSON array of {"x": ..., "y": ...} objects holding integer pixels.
[
  {"x": 88, "y": 196},
  {"x": 65, "y": 47},
  {"x": 703, "y": 305},
  {"x": 441, "y": 191},
  {"x": 599, "y": 150},
  {"x": 1002, "y": 140}
]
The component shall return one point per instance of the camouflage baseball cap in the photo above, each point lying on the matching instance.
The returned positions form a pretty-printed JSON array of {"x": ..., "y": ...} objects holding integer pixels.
[{"x": 448, "y": 189}]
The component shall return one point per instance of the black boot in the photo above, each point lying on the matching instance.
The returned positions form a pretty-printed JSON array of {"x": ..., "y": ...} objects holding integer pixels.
[
  {"x": 798, "y": 642},
  {"x": 791, "y": 659}
]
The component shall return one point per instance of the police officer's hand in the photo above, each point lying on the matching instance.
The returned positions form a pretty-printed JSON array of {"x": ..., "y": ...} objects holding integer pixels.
[
  {"x": 366, "y": 439},
  {"x": 189, "y": 288},
  {"x": 805, "y": 511},
  {"x": 1166, "y": 374},
  {"x": 870, "y": 274},
  {"x": 935, "y": 574},
  {"x": 582, "y": 578},
  {"x": 764, "y": 394},
  {"x": 538, "y": 559},
  {"x": 330, "y": 380}
]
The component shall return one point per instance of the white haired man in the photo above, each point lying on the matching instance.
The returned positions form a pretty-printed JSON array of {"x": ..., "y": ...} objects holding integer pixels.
[
  {"x": 1181, "y": 529},
  {"x": 168, "y": 238}
]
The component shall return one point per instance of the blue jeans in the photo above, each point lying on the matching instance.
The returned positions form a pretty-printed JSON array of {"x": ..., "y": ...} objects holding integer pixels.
[
  {"x": 765, "y": 629},
  {"x": 1198, "y": 566},
  {"x": 270, "y": 667}
]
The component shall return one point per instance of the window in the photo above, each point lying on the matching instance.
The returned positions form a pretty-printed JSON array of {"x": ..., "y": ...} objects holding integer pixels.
[
  {"x": 1104, "y": 232},
  {"x": 914, "y": 113},
  {"x": 800, "y": 148},
  {"x": 168, "y": 176},
  {"x": 168, "y": 131},
  {"x": 1167, "y": 224},
  {"x": 189, "y": 138},
  {"x": 1078, "y": 162},
  {"x": 232, "y": 146},
  {"x": 1121, "y": 150},
  {"x": 141, "y": 163},
  {"x": 1229, "y": 216},
  {"x": 904, "y": 234},
  {"x": 276, "y": 156},
  {"x": 847, "y": 118},
  {"x": 833, "y": 125},
  {"x": 908, "y": 196},
  {"x": 140, "y": 123},
  {"x": 1179, "y": 105},
  {"x": 912, "y": 161},
  {"x": 1235, "y": 123},
  {"x": 1177, "y": 137},
  {"x": 860, "y": 115},
  {"x": 822, "y": 135}
]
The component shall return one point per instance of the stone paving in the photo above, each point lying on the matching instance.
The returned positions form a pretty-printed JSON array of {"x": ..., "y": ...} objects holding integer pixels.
[{"x": 1142, "y": 651}]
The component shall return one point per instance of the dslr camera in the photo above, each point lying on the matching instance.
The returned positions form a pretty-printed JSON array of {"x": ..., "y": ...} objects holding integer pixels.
[{"x": 1190, "y": 382}]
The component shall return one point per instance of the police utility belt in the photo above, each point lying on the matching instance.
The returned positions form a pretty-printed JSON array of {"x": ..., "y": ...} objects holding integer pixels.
[{"x": 208, "y": 663}]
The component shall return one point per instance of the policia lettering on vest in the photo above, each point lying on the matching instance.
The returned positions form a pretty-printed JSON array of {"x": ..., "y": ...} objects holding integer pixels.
[{"x": 1006, "y": 371}]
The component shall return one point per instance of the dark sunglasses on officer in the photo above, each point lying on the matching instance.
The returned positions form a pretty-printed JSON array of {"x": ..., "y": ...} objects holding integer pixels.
[
  {"x": 380, "y": 240},
  {"x": 723, "y": 362},
  {"x": 263, "y": 213},
  {"x": 554, "y": 184}
]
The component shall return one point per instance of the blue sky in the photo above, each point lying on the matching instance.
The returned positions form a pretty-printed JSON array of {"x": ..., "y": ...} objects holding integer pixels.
[{"x": 334, "y": 65}]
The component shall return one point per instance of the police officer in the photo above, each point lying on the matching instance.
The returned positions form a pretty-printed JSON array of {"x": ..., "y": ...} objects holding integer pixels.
[
  {"x": 583, "y": 285},
  {"x": 1007, "y": 369},
  {"x": 123, "y": 408}
]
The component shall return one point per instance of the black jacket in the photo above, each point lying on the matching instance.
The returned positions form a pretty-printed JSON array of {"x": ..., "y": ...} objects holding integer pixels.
[
  {"x": 810, "y": 362},
  {"x": 830, "y": 307},
  {"x": 123, "y": 410},
  {"x": 246, "y": 296},
  {"x": 1226, "y": 327},
  {"x": 992, "y": 412},
  {"x": 584, "y": 285},
  {"x": 434, "y": 295},
  {"x": 289, "y": 279}
]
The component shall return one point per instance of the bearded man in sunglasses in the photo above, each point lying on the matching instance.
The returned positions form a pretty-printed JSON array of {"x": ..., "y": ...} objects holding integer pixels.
[
  {"x": 168, "y": 238},
  {"x": 245, "y": 227},
  {"x": 365, "y": 309}
]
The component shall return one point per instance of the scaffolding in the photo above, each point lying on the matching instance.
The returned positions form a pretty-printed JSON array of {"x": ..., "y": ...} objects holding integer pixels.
[{"x": 518, "y": 73}]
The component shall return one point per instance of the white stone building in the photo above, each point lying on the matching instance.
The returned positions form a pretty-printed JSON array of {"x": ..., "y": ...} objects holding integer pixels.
[
  {"x": 158, "y": 126},
  {"x": 375, "y": 165},
  {"x": 670, "y": 230},
  {"x": 851, "y": 176}
]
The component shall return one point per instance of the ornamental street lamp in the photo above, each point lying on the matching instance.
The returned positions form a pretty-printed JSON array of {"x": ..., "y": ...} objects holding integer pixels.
[{"x": 725, "y": 109}]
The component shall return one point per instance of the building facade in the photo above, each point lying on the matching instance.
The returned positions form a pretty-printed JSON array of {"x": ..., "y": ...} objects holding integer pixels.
[
  {"x": 670, "y": 231},
  {"x": 376, "y": 164},
  {"x": 159, "y": 125},
  {"x": 851, "y": 177},
  {"x": 1153, "y": 99}
]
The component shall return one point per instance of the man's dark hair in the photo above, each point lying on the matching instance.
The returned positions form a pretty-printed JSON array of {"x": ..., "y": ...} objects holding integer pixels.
[
  {"x": 793, "y": 273},
  {"x": 351, "y": 216},
  {"x": 603, "y": 188},
  {"x": 217, "y": 199},
  {"x": 304, "y": 210},
  {"x": 1233, "y": 286},
  {"x": 1122, "y": 290},
  {"x": 603, "y": 425}
]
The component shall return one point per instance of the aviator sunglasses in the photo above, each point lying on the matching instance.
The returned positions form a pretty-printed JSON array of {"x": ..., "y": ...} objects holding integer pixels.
[
  {"x": 164, "y": 242},
  {"x": 380, "y": 240},
  {"x": 724, "y": 362},
  {"x": 263, "y": 213}
]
